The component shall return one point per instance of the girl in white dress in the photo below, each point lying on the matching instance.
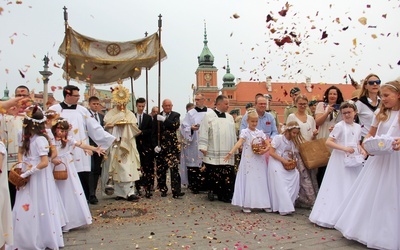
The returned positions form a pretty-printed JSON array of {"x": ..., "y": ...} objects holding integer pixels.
[
  {"x": 71, "y": 190},
  {"x": 344, "y": 140},
  {"x": 370, "y": 212},
  {"x": 326, "y": 116},
  {"x": 284, "y": 184},
  {"x": 251, "y": 186},
  {"x": 308, "y": 177},
  {"x": 6, "y": 233},
  {"x": 36, "y": 215}
]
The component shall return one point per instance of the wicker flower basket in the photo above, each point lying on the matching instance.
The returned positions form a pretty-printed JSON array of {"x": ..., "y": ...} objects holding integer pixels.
[
  {"x": 291, "y": 166},
  {"x": 15, "y": 175},
  {"x": 258, "y": 144},
  {"x": 291, "y": 158},
  {"x": 60, "y": 174}
]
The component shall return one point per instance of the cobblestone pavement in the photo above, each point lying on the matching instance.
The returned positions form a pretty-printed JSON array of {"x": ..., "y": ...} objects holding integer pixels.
[{"x": 193, "y": 222}]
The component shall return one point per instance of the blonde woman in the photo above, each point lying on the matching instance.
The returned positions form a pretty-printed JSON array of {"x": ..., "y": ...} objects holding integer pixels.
[{"x": 368, "y": 101}]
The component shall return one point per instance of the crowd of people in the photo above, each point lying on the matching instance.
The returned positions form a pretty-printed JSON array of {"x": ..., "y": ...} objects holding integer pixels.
[{"x": 249, "y": 161}]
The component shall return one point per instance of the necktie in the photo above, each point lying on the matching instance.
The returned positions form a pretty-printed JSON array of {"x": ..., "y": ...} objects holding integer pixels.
[
  {"x": 140, "y": 120},
  {"x": 95, "y": 117}
]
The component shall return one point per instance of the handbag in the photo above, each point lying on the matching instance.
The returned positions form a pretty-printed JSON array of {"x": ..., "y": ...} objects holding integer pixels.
[
  {"x": 314, "y": 153},
  {"x": 353, "y": 160}
]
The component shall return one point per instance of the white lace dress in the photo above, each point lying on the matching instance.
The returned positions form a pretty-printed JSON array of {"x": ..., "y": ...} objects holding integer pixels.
[
  {"x": 36, "y": 216},
  {"x": 283, "y": 185},
  {"x": 251, "y": 184},
  {"x": 338, "y": 179},
  {"x": 370, "y": 213}
]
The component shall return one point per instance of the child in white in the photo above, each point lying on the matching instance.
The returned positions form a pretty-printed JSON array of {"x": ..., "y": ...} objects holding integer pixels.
[
  {"x": 251, "y": 186},
  {"x": 36, "y": 215},
  {"x": 345, "y": 142},
  {"x": 283, "y": 184},
  {"x": 6, "y": 232},
  {"x": 71, "y": 189},
  {"x": 370, "y": 212},
  {"x": 50, "y": 116}
]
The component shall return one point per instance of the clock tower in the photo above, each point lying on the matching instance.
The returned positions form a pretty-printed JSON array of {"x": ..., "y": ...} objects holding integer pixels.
[{"x": 206, "y": 74}]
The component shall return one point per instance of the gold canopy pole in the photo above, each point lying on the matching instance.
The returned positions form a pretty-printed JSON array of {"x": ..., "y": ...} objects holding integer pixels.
[
  {"x": 147, "y": 84},
  {"x": 66, "y": 43},
  {"x": 159, "y": 72}
]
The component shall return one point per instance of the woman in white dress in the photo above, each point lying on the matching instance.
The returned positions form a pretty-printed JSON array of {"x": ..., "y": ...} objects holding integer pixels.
[
  {"x": 283, "y": 184},
  {"x": 6, "y": 232},
  {"x": 36, "y": 215},
  {"x": 308, "y": 177},
  {"x": 326, "y": 116},
  {"x": 251, "y": 185},
  {"x": 368, "y": 102},
  {"x": 370, "y": 212},
  {"x": 344, "y": 140},
  {"x": 71, "y": 190}
]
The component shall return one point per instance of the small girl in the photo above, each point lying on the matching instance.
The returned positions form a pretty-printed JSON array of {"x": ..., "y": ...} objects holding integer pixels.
[
  {"x": 251, "y": 186},
  {"x": 6, "y": 232},
  {"x": 370, "y": 211},
  {"x": 71, "y": 190},
  {"x": 284, "y": 184},
  {"x": 344, "y": 140},
  {"x": 36, "y": 215}
]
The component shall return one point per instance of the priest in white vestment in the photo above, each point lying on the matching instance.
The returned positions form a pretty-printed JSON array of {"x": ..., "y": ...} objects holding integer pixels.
[
  {"x": 124, "y": 157},
  {"x": 191, "y": 157},
  {"x": 217, "y": 137}
]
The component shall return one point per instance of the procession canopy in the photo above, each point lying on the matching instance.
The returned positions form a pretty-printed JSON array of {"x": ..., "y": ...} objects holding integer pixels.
[{"x": 97, "y": 61}]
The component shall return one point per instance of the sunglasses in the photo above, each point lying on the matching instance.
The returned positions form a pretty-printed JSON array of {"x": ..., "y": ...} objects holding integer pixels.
[{"x": 373, "y": 82}]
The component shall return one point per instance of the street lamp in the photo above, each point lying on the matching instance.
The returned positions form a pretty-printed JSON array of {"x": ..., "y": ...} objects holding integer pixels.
[{"x": 45, "y": 76}]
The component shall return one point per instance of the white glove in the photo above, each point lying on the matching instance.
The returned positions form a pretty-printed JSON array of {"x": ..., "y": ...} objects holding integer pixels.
[
  {"x": 157, "y": 149},
  {"x": 30, "y": 172},
  {"x": 160, "y": 118}
]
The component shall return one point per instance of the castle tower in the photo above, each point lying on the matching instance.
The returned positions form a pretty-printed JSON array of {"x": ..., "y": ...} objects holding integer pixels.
[{"x": 206, "y": 74}]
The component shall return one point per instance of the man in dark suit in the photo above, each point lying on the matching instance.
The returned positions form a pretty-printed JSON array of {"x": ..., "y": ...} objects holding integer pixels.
[
  {"x": 94, "y": 105},
  {"x": 145, "y": 148},
  {"x": 166, "y": 146}
]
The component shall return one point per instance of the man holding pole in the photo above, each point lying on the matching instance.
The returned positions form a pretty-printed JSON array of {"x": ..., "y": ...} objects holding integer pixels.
[{"x": 166, "y": 147}]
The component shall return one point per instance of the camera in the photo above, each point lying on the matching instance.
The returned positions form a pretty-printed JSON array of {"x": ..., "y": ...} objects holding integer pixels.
[{"x": 336, "y": 106}]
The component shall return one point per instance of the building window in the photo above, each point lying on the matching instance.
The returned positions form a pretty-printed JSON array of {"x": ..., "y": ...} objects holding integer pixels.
[
  {"x": 230, "y": 96},
  {"x": 208, "y": 84}
]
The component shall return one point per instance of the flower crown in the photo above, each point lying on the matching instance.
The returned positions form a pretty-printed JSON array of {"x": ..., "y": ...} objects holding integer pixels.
[
  {"x": 251, "y": 110},
  {"x": 50, "y": 112},
  {"x": 292, "y": 127},
  {"x": 35, "y": 108},
  {"x": 55, "y": 122}
]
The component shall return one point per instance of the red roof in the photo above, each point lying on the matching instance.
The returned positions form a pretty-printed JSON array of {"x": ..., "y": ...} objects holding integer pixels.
[{"x": 246, "y": 91}]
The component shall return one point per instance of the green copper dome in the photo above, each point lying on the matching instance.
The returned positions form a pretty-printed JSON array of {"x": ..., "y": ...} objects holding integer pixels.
[
  {"x": 6, "y": 94},
  {"x": 206, "y": 58},
  {"x": 228, "y": 77}
]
